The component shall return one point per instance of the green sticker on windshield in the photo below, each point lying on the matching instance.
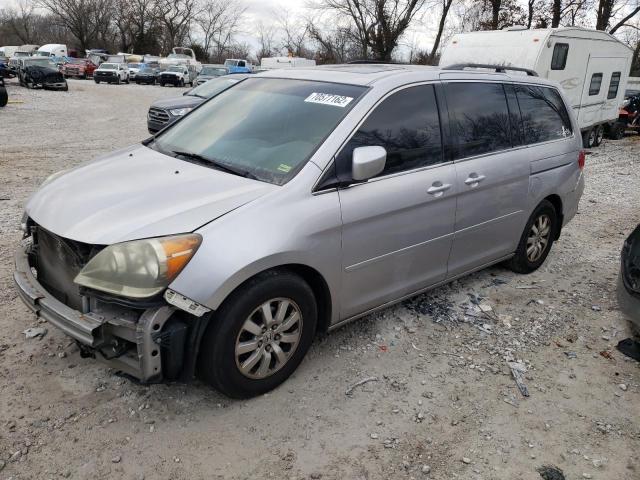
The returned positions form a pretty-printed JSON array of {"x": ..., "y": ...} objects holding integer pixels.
[{"x": 284, "y": 168}]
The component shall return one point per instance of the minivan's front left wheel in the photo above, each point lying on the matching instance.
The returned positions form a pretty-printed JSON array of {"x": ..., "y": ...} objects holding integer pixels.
[
  {"x": 259, "y": 336},
  {"x": 536, "y": 240}
]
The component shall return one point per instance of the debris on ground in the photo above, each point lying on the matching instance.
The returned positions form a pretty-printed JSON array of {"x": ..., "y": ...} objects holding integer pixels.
[
  {"x": 549, "y": 472},
  {"x": 35, "y": 332},
  {"x": 517, "y": 371},
  {"x": 361, "y": 382}
]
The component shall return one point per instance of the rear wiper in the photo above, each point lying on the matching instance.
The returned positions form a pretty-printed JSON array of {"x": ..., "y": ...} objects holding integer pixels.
[{"x": 217, "y": 165}]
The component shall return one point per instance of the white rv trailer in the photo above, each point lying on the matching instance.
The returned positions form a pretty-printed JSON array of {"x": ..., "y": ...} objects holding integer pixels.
[
  {"x": 591, "y": 66},
  {"x": 269, "y": 63}
]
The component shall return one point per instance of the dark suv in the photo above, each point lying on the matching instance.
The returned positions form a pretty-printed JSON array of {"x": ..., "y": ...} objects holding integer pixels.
[{"x": 165, "y": 112}]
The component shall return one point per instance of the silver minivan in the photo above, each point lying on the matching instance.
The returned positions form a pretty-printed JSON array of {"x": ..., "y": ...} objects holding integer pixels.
[{"x": 290, "y": 204}]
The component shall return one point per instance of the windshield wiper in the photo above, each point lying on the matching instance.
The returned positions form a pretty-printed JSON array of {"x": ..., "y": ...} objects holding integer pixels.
[
  {"x": 209, "y": 162},
  {"x": 196, "y": 95}
]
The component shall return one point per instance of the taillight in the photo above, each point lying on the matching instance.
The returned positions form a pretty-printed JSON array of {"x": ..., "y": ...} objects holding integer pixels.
[{"x": 581, "y": 158}]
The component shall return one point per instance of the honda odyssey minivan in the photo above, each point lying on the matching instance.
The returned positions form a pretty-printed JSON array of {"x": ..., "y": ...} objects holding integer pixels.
[{"x": 290, "y": 204}]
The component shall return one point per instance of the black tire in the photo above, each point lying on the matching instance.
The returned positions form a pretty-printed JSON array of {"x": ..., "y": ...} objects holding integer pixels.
[
  {"x": 181, "y": 83},
  {"x": 97, "y": 81},
  {"x": 599, "y": 135},
  {"x": 616, "y": 131},
  {"x": 520, "y": 262},
  {"x": 65, "y": 88},
  {"x": 589, "y": 138},
  {"x": 118, "y": 81},
  {"x": 162, "y": 84},
  {"x": 4, "y": 97},
  {"x": 217, "y": 360},
  {"x": 137, "y": 82}
]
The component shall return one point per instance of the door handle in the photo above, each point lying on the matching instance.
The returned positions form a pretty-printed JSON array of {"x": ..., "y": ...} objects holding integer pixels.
[
  {"x": 474, "y": 179},
  {"x": 438, "y": 188}
]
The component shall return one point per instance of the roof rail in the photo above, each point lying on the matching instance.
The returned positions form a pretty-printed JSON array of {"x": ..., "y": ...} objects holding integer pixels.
[
  {"x": 497, "y": 68},
  {"x": 377, "y": 62}
]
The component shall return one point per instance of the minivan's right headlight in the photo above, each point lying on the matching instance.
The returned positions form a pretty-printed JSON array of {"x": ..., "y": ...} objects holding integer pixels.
[{"x": 140, "y": 268}]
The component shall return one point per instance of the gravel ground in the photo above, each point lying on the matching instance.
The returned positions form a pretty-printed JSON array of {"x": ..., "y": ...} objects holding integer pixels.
[{"x": 444, "y": 404}]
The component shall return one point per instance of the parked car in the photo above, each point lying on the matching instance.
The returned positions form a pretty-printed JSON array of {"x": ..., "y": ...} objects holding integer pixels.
[
  {"x": 5, "y": 72},
  {"x": 629, "y": 279},
  {"x": 165, "y": 112},
  {"x": 78, "y": 67},
  {"x": 210, "y": 71},
  {"x": 234, "y": 65},
  {"x": 134, "y": 68},
  {"x": 34, "y": 72},
  {"x": 176, "y": 75},
  {"x": 112, "y": 73},
  {"x": 147, "y": 75},
  {"x": 4, "y": 97},
  {"x": 52, "y": 50},
  {"x": 290, "y": 204},
  {"x": 592, "y": 66}
]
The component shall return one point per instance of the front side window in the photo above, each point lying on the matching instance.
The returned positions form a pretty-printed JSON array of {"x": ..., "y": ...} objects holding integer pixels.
[
  {"x": 613, "y": 85},
  {"x": 544, "y": 115},
  {"x": 479, "y": 118},
  {"x": 596, "y": 82},
  {"x": 262, "y": 128},
  {"x": 407, "y": 125},
  {"x": 215, "y": 86},
  {"x": 559, "y": 57}
]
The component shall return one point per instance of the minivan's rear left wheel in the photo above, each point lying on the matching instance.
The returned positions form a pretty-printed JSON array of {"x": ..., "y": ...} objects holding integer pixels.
[
  {"x": 259, "y": 336},
  {"x": 536, "y": 240}
]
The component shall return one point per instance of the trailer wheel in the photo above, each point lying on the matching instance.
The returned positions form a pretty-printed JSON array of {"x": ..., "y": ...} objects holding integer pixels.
[
  {"x": 599, "y": 135},
  {"x": 589, "y": 138}
]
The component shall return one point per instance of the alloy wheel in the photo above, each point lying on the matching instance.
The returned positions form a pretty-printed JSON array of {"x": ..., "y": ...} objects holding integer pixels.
[
  {"x": 538, "y": 238},
  {"x": 268, "y": 338}
]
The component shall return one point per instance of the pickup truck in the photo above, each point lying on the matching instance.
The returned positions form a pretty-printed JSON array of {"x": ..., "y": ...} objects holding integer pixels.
[
  {"x": 78, "y": 67},
  {"x": 176, "y": 75},
  {"x": 112, "y": 73}
]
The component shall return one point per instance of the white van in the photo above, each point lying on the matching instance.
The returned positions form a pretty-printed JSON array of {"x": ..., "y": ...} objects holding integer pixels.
[
  {"x": 52, "y": 50},
  {"x": 269, "y": 63},
  {"x": 591, "y": 66},
  {"x": 8, "y": 51}
]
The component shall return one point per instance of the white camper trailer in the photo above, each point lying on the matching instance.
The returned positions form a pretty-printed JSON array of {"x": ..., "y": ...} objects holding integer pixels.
[
  {"x": 269, "y": 63},
  {"x": 591, "y": 66}
]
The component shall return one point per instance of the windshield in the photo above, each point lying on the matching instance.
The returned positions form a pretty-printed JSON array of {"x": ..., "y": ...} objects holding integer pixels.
[
  {"x": 41, "y": 62},
  {"x": 214, "y": 86},
  {"x": 175, "y": 69},
  {"x": 230, "y": 63},
  {"x": 134, "y": 65},
  {"x": 109, "y": 66},
  {"x": 266, "y": 128},
  {"x": 214, "y": 71}
]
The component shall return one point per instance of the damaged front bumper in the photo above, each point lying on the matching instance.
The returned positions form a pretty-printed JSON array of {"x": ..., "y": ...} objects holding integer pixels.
[{"x": 149, "y": 346}]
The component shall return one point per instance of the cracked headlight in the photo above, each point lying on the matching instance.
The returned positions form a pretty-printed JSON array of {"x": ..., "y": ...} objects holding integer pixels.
[
  {"x": 140, "y": 268},
  {"x": 178, "y": 112}
]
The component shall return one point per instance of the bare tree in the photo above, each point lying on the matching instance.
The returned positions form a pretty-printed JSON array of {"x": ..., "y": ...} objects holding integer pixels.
[
  {"x": 218, "y": 20},
  {"x": 295, "y": 32},
  {"x": 378, "y": 24},
  {"x": 77, "y": 16},
  {"x": 446, "y": 6},
  {"x": 266, "y": 37},
  {"x": 22, "y": 21},
  {"x": 176, "y": 17}
]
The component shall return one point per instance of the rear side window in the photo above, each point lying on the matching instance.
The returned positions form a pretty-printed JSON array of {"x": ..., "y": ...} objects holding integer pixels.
[
  {"x": 544, "y": 115},
  {"x": 596, "y": 82},
  {"x": 559, "y": 57},
  {"x": 613, "y": 85},
  {"x": 479, "y": 118},
  {"x": 407, "y": 125}
]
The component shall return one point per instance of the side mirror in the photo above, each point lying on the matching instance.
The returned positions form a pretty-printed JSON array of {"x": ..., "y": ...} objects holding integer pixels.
[{"x": 367, "y": 162}]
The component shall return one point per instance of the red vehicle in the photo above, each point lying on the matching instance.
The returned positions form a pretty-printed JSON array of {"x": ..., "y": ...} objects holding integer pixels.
[{"x": 78, "y": 67}]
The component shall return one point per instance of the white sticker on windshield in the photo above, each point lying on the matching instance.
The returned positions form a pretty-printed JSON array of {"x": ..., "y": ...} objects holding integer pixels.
[{"x": 329, "y": 99}]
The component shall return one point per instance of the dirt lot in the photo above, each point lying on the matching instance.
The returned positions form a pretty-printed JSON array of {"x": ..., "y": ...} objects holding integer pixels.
[{"x": 444, "y": 404}]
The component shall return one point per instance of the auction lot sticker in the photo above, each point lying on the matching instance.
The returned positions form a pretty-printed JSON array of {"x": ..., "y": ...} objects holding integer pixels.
[{"x": 329, "y": 99}]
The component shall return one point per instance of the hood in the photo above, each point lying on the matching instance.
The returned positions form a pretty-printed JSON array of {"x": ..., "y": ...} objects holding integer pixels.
[
  {"x": 178, "y": 102},
  {"x": 44, "y": 74},
  {"x": 171, "y": 73},
  {"x": 138, "y": 193}
]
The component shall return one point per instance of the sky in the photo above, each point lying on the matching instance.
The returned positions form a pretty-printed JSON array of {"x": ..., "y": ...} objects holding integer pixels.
[{"x": 268, "y": 11}]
